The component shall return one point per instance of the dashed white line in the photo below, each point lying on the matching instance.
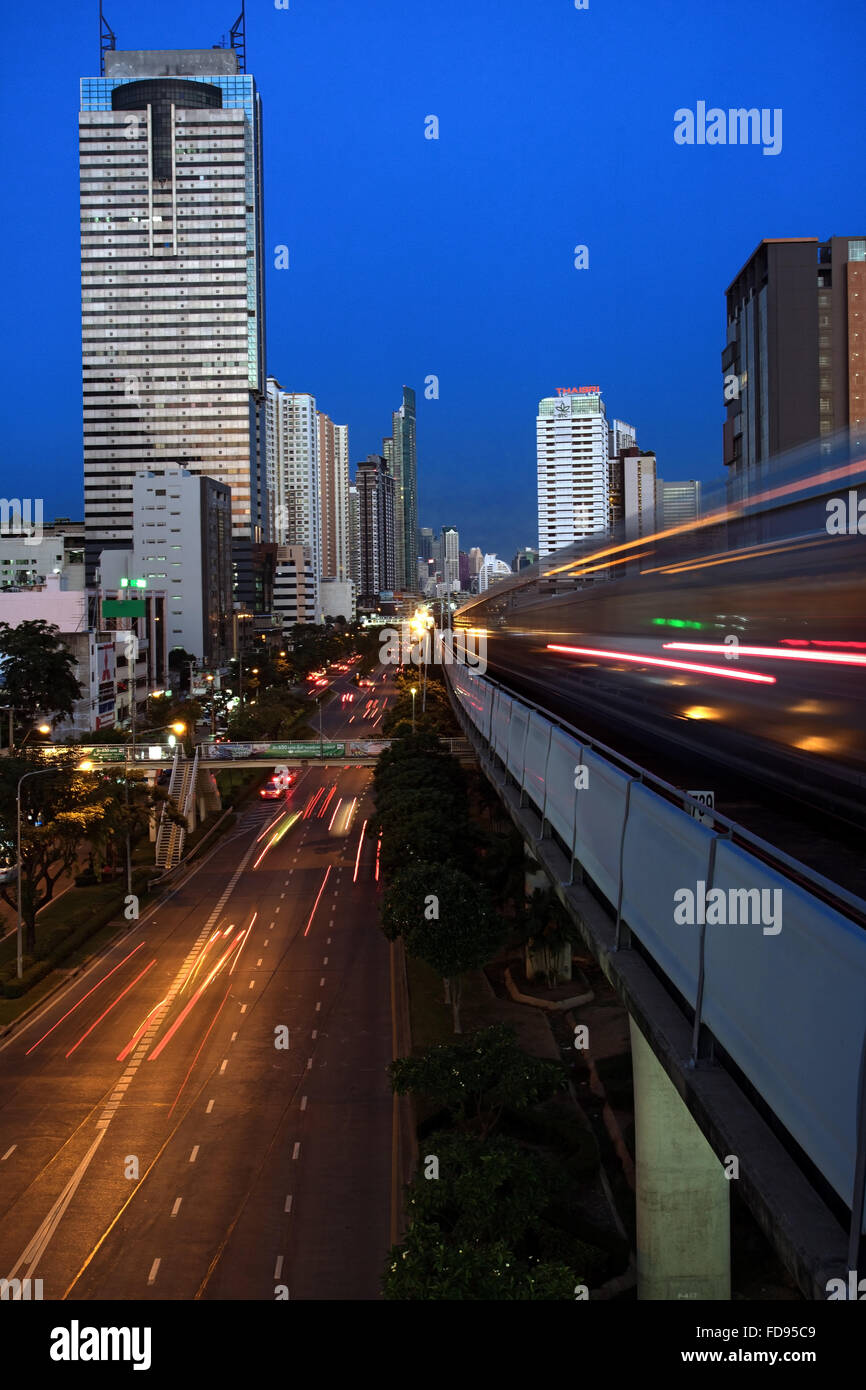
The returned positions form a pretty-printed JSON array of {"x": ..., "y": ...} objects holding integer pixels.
[
  {"x": 151, "y": 1278},
  {"x": 233, "y": 1036},
  {"x": 194, "y": 1154},
  {"x": 223, "y": 1064},
  {"x": 258, "y": 962},
  {"x": 296, "y": 1150},
  {"x": 288, "y": 1206},
  {"x": 309, "y": 1063},
  {"x": 243, "y": 1008},
  {"x": 318, "y": 1006},
  {"x": 176, "y": 1208},
  {"x": 8, "y": 1152},
  {"x": 278, "y": 1267},
  {"x": 324, "y": 960},
  {"x": 209, "y": 1107},
  {"x": 252, "y": 984},
  {"x": 315, "y": 1034}
]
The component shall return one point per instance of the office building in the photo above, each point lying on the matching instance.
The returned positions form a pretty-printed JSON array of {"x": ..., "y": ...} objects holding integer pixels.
[
  {"x": 639, "y": 493},
  {"x": 296, "y": 586},
  {"x": 491, "y": 572},
  {"x": 172, "y": 283},
  {"x": 524, "y": 558},
  {"x": 450, "y": 559},
  {"x": 338, "y": 599},
  {"x": 573, "y": 471},
  {"x": 29, "y": 557},
  {"x": 476, "y": 560},
  {"x": 465, "y": 576},
  {"x": 375, "y": 488},
  {"x": 794, "y": 365},
  {"x": 677, "y": 504},
  {"x": 620, "y": 438},
  {"x": 400, "y": 454}
]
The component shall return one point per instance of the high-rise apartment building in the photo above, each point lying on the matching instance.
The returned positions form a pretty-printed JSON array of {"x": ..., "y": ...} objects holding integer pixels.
[
  {"x": 354, "y": 538},
  {"x": 573, "y": 471},
  {"x": 375, "y": 488},
  {"x": 620, "y": 437},
  {"x": 333, "y": 488},
  {"x": 293, "y": 469},
  {"x": 450, "y": 559},
  {"x": 794, "y": 366},
  {"x": 476, "y": 560},
  {"x": 172, "y": 283},
  {"x": 400, "y": 454}
]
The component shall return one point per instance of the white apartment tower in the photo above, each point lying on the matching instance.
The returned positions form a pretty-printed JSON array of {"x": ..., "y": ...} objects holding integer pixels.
[
  {"x": 573, "y": 470},
  {"x": 333, "y": 484},
  {"x": 172, "y": 283},
  {"x": 293, "y": 469},
  {"x": 639, "y": 494}
]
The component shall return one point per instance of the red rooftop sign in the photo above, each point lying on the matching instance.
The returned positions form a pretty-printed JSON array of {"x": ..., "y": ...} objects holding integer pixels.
[{"x": 578, "y": 390}]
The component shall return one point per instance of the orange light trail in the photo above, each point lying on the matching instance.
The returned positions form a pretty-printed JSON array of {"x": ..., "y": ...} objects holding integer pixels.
[
  {"x": 751, "y": 676},
  {"x": 327, "y": 801},
  {"x": 378, "y": 851},
  {"x": 82, "y": 999},
  {"x": 775, "y": 653},
  {"x": 358, "y": 855},
  {"x": 334, "y": 816},
  {"x": 311, "y": 803},
  {"x": 316, "y": 903},
  {"x": 139, "y": 1032},
  {"x": 195, "y": 998},
  {"x": 111, "y": 1006}
]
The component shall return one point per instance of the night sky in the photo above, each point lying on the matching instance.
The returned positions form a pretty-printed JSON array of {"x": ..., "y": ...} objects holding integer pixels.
[{"x": 454, "y": 257}]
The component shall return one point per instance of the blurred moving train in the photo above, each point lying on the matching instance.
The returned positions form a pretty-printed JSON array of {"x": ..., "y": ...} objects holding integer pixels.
[{"x": 740, "y": 638}]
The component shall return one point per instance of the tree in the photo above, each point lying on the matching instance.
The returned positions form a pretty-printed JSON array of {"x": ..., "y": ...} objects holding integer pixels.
[
  {"x": 420, "y": 837},
  {"x": 58, "y": 812},
  {"x": 181, "y": 661},
  {"x": 466, "y": 935},
  {"x": 478, "y": 1077},
  {"x": 431, "y": 1266},
  {"x": 37, "y": 671}
]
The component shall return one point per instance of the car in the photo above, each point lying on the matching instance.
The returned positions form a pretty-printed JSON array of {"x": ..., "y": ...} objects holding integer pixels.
[{"x": 277, "y": 785}]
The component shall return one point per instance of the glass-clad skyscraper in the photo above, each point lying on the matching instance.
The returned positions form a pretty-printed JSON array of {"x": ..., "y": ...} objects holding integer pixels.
[{"x": 172, "y": 284}]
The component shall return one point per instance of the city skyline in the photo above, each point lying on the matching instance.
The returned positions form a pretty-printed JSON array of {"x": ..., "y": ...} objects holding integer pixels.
[{"x": 511, "y": 351}]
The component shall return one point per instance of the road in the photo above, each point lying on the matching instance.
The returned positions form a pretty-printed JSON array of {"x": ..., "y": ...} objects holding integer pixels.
[{"x": 205, "y": 1113}]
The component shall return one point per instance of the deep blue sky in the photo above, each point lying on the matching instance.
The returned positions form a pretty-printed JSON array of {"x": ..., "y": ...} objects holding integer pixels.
[{"x": 454, "y": 257}]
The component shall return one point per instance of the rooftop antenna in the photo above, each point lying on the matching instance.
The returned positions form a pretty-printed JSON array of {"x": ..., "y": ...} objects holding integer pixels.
[
  {"x": 239, "y": 37},
  {"x": 107, "y": 40}
]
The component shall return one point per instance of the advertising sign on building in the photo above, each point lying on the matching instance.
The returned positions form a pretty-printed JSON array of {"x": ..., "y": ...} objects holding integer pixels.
[{"x": 105, "y": 681}]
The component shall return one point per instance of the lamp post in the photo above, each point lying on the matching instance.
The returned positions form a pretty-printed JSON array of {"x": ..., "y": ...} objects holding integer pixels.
[
  {"x": 179, "y": 727},
  {"x": 39, "y": 771},
  {"x": 414, "y": 693}
]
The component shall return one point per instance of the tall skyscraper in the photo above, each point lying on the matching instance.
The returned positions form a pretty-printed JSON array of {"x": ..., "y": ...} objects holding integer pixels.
[
  {"x": 293, "y": 469},
  {"x": 425, "y": 543},
  {"x": 450, "y": 558},
  {"x": 573, "y": 471},
  {"x": 354, "y": 538},
  {"x": 375, "y": 488},
  {"x": 172, "y": 283},
  {"x": 794, "y": 366},
  {"x": 400, "y": 454},
  {"x": 620, "y": 437},
  {"x": 333, "y": 487}
]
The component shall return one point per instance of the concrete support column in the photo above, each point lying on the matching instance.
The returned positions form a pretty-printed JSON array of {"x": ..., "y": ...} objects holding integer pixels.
[{"x": 682, "y": 1194}]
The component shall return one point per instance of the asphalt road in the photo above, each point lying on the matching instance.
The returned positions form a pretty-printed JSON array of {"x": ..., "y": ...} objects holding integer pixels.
[{"x": 205, "y": 1113}]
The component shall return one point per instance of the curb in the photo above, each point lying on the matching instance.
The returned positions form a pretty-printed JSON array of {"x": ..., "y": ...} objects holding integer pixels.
[{"x": 553, "y": 1006}]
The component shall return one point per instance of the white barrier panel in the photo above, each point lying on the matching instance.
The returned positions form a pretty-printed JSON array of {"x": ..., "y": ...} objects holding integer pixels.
[
  {"x": 600, "y": 816},
  {"x": 517, "y": 732},
  {"x": 535, "y": 762},
  {"x": 559, "y": 806},
  {"x": 665, "y": 849},
  {"x": 789, "y": 1008},
  {"x": 500, "y": 723}
]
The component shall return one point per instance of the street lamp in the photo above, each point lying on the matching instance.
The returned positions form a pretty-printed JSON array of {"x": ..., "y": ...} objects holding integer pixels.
[
  {"x": 43, "y": 729},
  {"x": 414, "y": 693},
  {"x": 39, "y": 771}
]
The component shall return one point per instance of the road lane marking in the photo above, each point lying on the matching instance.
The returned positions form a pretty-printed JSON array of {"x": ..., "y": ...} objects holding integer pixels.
[
  {"x": 318, "y": 1006},
  {"x": 278, "y": 1267},
  {"x": 176, "y": 1208},
  {"x": 309, "y": 1063},
  {"x": 288, "y": 1206},
  {"x": 303, "y": 1102},
  {"x": 252, "y": 984},
  {"x": 296, "y": 1150},
  {"x": 324, "y": 960},
  {"x": 8, "y": 1152},
  {"x": 243, "y": 1008},
  {"x": 39, "y": 1243},
  {"x": 151, "y": 1278},
  {"x": 233, "y": 1036},
  {"x": 209, "y": 1107},
  {"x": 194, "y": 1154},
  {"x": 315, "y": 1034},
  {"x": 258, "y": 962},
  {"x": 223, "y": 1064}
]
